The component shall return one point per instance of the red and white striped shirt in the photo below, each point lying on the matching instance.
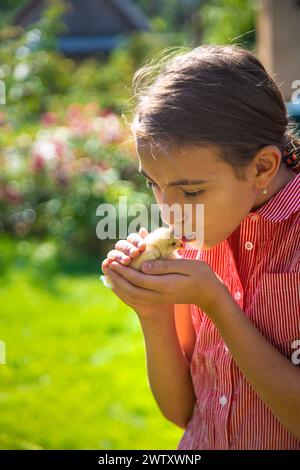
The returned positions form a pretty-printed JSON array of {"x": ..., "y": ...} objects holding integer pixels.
[{"x": 260, "y": 265}]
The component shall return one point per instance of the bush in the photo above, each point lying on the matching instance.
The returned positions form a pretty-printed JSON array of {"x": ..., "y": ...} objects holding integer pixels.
[
  {"x": 54, "y": 176},
  {"x": 63, "y": 147}
]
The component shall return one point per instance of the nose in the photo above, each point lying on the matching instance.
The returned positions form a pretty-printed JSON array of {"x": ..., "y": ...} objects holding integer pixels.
[
  {"x": 172, "y": 217},
  {"x": 171, "y": 210}
]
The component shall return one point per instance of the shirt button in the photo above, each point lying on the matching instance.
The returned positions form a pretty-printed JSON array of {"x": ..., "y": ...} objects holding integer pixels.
[
  {"x": 255, "y": 217},
  {"x": 238, "y": 295},
  {"x": 249, "y": 245},
  {"x": 223, "y": 400}
]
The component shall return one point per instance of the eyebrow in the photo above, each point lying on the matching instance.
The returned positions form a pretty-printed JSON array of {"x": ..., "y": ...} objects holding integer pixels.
[{"x": 184, "y": 182}]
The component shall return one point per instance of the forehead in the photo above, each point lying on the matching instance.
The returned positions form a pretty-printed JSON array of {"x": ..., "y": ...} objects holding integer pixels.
[{"x": 169, "y": 164}]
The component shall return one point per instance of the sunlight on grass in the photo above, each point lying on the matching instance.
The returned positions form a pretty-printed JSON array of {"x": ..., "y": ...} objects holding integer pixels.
[{"x": 75, "y": 376}]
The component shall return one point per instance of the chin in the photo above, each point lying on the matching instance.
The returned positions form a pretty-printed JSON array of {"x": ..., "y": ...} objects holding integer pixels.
[
  {"x": 206, "y": 245},
  {"x": 196, "y": 244}
]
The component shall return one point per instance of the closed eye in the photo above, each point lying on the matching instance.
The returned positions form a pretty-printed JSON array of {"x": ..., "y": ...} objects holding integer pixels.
[
  {"x": 194, "y": 194},
  {"x": 150, "y": 185}
]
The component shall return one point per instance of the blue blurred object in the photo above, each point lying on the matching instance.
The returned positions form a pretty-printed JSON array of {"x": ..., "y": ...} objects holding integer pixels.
[
  {"x": 293, "y": 109},
  {"x": 73, "y": 45},
  {"x": 91, "y": 26}
]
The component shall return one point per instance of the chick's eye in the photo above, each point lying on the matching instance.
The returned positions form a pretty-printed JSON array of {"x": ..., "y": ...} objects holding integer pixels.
[{"x": 194, "y": 194}]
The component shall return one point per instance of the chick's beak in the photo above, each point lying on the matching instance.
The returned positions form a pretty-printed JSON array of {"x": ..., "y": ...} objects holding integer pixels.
[{"x": 179, "y": 243}]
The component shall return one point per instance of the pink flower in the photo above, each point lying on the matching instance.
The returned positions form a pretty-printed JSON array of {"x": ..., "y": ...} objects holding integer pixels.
[
  {"x": 80, "y": 127},
  {"x": 11, "y": 195},
  {"x": 49, "y": 119},
  {"x": 106, "y": 111},
  {"x": 74, "y": 110},
  {"x": 38, "y": 163},
  {"x": 60, "y": 148}
]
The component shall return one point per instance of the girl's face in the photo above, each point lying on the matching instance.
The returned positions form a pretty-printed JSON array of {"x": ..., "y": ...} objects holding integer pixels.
[{"x": 197, "y": 175}]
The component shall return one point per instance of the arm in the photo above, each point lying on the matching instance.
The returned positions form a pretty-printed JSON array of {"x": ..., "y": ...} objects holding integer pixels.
[
  {"x": 169, "y": 344},
  {"x": 185, "y": 329},
  {"x": 274, "y": 377},
  {"x": 168, "y": 369}
]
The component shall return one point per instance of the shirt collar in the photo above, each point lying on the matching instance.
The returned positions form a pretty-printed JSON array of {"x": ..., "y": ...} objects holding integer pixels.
[{"x": 284, "y": 203}]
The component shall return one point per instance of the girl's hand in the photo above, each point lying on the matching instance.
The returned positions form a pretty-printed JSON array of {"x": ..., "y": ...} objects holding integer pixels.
[
  {"x": 179, "y": 281},
  {"x": 124, "y": 251},
  {"x": 127, "y": 249}
]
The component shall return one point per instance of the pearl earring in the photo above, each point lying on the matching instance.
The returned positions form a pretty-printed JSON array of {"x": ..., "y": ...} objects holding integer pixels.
[{"x": 264, "y": 191}]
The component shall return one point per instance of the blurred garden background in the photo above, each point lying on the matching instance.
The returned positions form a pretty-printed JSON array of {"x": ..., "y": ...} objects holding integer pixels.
[{"x": 75, "y": 372}]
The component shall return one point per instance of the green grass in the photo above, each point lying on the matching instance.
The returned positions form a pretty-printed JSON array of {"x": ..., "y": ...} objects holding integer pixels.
[{"x": 75, "y": 376}]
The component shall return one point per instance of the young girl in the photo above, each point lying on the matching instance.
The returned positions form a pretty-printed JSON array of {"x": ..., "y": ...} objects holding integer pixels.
[{"x": 221, "y": 325}]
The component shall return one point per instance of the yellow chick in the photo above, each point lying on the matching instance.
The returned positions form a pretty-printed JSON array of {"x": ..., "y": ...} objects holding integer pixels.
[{"x": 160, "y": 244}]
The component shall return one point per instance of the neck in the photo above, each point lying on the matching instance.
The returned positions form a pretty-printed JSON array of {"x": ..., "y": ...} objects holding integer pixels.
[{"x": 281, "y": 179}]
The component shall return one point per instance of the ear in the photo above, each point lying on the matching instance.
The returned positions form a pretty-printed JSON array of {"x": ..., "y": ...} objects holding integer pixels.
[{"x": 265, "y": 165}]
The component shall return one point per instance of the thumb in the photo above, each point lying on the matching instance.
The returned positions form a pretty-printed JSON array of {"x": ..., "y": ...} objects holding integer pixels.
[{"x": 165, "y": 266}]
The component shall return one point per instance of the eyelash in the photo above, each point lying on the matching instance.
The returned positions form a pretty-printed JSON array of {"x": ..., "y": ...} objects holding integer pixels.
[
  {"x": 150, "y": 185},
  {"x": 195, "y": 194}
]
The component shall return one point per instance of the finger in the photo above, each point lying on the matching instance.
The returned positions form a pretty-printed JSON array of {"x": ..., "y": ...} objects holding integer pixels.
[
  {"x": 145, "y": 281},
  {"x": 137, "y": 240},
  {"x": 143, "y": 232},
  {"x": 125, "y": 290},
  {"x": 128, "y": 248},
  {"x": 104, "y": 265},
  {"x": 178, "y": 266},
  {"x": 118, "y": 256}
]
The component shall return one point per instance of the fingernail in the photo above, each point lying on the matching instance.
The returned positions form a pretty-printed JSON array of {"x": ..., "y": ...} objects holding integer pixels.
[
  {"x": 146, "y": 266},
  {"x": 114, "y": 264}
]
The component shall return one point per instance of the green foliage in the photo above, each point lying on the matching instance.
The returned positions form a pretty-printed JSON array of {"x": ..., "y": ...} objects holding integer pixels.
[
  {"x": 54, "y": 178},
  {"x": 39, "y": 79},
  {"x": 173, "y": 14},
  {"x": 8, "y": 10},
  {"x": 7, "y": 5},
  {"x": 229, "y": 21},
  {"x": 63, "y": 147}
]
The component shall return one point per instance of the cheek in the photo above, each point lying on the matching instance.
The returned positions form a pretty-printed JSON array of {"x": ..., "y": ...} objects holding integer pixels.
[
  {"x": 219, "y": 216},
  {"x": 223, "y": 212},
  {"x": 226, "y": 213}
]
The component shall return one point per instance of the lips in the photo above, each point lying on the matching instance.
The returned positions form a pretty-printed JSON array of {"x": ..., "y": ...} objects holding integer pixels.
[
  {"x": 184, "y": 238},
  {"x": 188, "y": 238}
]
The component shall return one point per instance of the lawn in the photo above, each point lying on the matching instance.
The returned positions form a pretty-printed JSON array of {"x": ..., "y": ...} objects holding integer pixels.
[{"x": 75, "y": 376}]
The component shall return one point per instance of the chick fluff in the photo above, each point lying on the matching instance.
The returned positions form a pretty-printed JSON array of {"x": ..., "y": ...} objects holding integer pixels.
[{"x": 160, "y": 244}]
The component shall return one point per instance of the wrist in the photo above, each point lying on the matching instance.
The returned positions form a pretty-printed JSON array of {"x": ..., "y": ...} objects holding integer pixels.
[
  {"x": 163, "y": 314},
  {"x": 219, "y": 302}
]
